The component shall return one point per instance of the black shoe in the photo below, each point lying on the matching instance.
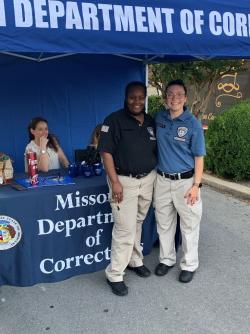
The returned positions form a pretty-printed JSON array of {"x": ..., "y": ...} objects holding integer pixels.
[
  {"x": 118, "y": 288},
  {"x": 141, "y": 271},
  {"x": 162, "y": 269},
  {"x": 186, "y": 276}
]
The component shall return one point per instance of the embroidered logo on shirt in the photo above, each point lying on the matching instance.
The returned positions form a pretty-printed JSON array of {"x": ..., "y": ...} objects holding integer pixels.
[
  {"x": 105, "y": 128},
  {"x": 151, "y": 131},
  {"x": 182, "y": 130},
  {"x": 180, "y": 139}
]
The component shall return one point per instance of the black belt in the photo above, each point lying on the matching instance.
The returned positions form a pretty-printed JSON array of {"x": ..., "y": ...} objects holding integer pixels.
[
  {"x": 136, "y": 176},
  {"x": 177, "y": 176}
]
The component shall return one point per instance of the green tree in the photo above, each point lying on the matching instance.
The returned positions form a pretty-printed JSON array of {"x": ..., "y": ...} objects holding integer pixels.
[
  {"x": 155, "y": 104},
  {"x": 199, "y": 76}
]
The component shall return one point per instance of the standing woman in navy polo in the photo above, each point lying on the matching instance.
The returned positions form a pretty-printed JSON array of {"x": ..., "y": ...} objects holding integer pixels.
[
  {"x": 128, "y": 147},
  {"x": 181, "y": 148}
]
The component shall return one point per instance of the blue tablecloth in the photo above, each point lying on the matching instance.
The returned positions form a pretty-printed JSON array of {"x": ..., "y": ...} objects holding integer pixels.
[{"x": 53, "y": 233}]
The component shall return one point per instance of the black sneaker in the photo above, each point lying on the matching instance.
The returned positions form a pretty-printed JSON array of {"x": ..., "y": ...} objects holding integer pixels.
[
  {"x": 162, "y": 269},
  {"x": 186, "y": 276},
  {"x": 118, "y": 288},
  {"x": 141, "y": 271}
]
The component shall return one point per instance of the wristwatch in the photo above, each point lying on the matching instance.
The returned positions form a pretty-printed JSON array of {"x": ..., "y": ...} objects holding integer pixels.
[
  {"x": 198, "y": 185},
  {"x": 43, "y": 151}
]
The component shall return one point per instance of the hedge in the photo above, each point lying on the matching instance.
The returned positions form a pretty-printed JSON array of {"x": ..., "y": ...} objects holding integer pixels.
[{"x": 228, "y": 143}]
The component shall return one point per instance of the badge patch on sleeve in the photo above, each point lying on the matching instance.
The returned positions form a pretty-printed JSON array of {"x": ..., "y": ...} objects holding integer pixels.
[
  {"x": 105, "y": 128},
  {"x": 182, "y": 130}
]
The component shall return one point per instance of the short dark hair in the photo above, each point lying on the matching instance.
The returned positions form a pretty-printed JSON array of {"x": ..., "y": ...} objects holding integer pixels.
[
  {"x": 134, "y": 84},
  {"x": 177, "y": 82}
]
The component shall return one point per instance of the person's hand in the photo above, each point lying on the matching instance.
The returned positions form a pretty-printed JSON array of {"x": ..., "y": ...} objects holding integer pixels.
[
  {"x": 43, "y": 142},
  {"x": 192, "y": 195},
  {"x": 117, "y": 192}
]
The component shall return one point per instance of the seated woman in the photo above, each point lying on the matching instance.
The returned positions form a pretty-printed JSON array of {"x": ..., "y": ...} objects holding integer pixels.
[{"x": 49, "y": 153}]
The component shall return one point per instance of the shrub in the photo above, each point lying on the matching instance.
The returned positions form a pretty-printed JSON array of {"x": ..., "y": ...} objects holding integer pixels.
[
  {"x": 154, "y": 104},
  {"x": 228, "y": 143}
]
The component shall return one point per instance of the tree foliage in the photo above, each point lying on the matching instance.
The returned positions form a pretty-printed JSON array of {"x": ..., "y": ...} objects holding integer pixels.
[
  {"x": 155, "y": 104},
  {"x": 199, "y": 76}
]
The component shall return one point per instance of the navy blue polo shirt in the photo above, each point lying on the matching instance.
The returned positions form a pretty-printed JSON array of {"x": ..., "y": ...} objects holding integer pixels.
[{"x": 179, "y": 140}]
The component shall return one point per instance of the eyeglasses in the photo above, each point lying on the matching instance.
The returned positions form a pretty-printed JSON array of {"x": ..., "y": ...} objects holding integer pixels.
[{"x": 178, "y": 95}]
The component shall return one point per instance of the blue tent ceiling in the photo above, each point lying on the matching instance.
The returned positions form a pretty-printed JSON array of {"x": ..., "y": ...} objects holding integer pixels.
[
  {"x": 145, "y": 59},
  {"x": 152, "y": 31}
]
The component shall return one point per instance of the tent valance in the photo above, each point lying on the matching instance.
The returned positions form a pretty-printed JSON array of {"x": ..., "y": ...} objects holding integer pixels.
[{"x": 152, "y": 29}]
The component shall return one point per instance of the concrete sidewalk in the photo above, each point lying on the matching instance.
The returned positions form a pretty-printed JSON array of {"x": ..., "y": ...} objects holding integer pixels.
[{"x": 233, "y": 188}]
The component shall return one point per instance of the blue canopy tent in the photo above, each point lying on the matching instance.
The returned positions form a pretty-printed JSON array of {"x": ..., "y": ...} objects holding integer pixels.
[{"x": 94, "y": 49}]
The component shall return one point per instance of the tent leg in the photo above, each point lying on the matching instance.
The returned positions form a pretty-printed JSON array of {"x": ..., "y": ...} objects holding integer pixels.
[{"x": 146, "y": 83}]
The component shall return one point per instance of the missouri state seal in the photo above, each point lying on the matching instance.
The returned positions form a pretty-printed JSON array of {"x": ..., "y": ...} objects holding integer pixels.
[{"x": 10, "y": 232}]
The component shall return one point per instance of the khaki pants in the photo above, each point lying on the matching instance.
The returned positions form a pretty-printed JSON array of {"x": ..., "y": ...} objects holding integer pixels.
[
  {"x": 128, "y": 218},
  {"x": 169, "y": 198}
]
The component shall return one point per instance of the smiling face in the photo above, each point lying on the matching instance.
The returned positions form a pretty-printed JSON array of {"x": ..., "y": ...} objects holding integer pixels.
[
  {"x": 41, "y": 130},
  {"x": 135, "y": 100},
  {"x": 176, "y": 99}
]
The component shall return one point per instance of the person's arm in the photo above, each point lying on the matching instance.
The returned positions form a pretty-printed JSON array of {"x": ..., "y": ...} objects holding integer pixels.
[
  {"x": 62, "y": 158},
  {"x": 198, "y": 149},
  {"x": 192, "y": 194},
  {"x": 25, "y": 161},
  {"x": 198, "y": 170},
  {"x": 117, "y": 191},
  {"x": 43, "y": 157}
]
